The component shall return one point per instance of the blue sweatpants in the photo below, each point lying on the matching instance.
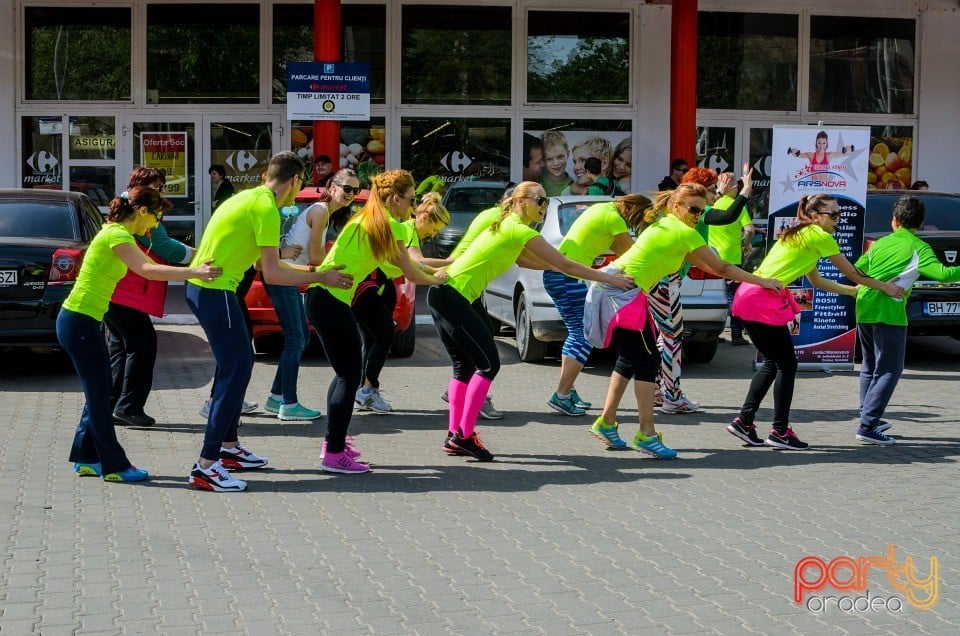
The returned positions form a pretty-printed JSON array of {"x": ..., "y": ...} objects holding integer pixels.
[{"x": 884, "y": 348}]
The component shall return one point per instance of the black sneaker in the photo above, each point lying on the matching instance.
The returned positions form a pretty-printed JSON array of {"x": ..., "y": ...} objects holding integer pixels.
[
  {"x": 746, "y": 432},
  {"x": 787, "y": 440},
  {"x": 133, "y": 420},
  {"x": 449, "y": 448},
  {"x": 471, "y": 446}
]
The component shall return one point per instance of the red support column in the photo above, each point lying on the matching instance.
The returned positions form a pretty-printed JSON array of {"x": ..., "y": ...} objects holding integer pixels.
[
  {"x": 683, "y": 80},
  {"x": 327, "y": 38}
]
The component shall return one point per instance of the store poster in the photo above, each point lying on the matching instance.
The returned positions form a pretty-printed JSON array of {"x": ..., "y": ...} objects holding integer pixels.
[
  {"x": 808, "y": 161},
  {"x": 245, "y": 168},
  {"x": 564, "y": 158},
  {"x": 167, "y": 151}
]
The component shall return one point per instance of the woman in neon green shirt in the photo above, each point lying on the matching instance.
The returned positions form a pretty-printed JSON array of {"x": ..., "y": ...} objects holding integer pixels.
[
  {"x": 96, "y": 450},
  {"x": 661, "y": 249},
  {"x": 466, "y": 336},
  {"x": 370, "y": 239},
  {"x": 766, "y": 316}
]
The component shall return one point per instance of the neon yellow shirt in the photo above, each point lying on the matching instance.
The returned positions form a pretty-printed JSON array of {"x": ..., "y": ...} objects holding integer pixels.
[
  {"x": 659, "y": 250},
  {"x": 352, "y": 250},
  {"x": 242, "y": 225},
  {"x": 787, "y": 262},
  {"x": 726, "y": 239},
  {"x": 482, "y": 221},
  {"x": 410, "y": 239},
  {"x": 99, "y": 273},
  {"x": 489, "y": 255},
  {"x": 592, "y": 233}
]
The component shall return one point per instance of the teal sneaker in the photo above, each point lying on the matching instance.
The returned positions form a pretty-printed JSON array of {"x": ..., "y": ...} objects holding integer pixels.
[
  {"x": 653, "y": 446},
  {"x": 87, "y": 470},
  {"x": 565, "y": 406},
  {"x": 578, "y": 400},
  {"x": 272, "y": 406},
  {"x": 607, "y": 433},
  {"x": 297, "y": 413},
  {"x": 128, "y": 474}
]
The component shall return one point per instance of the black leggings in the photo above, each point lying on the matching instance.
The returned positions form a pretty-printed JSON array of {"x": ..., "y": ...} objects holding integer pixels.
[
  {"x": 637, "y": 353},
  {"x": 373, "y": 309},
  {"x": 340, "y": 338},
  {"x": 779, "y": 365},
  {"x": 465, "y": 335}
]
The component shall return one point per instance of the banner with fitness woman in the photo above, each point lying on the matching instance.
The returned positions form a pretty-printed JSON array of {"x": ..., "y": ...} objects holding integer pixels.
[{"x": 811, "y": 160}]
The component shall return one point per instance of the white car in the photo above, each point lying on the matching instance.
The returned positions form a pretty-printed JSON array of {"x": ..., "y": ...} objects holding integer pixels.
[{"x": 517, "y": 298}]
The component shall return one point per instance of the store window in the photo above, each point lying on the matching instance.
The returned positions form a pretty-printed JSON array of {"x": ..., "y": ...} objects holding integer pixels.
[
  {"x": 861, "y": 65},
  {"x": 456, "y": 149},
  {"x": 578, "y": 57},
  {"x": 364, "y": 40},
  {"x": 77, "y": 53},
  {"x": 92, "y": 148},
  {"x": 42, "y": 159},
  {"x": 362, "y": 147},
  {"x": 747, "y": 61},
  {"x": 566, "y": 145},
  {"x": 456, "y": 55},
  {"x": 203, "y": 53}
]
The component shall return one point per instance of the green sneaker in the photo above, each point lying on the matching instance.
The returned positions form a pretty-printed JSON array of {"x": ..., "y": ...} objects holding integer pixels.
[
  {"x": 653, "y": 446},
  {"x": 297, "y": 413},
  {"x": 607, "y": 434},
  {"x": 577, "y": 400},
  {"x": 272, "y": 406},
  {"x": 565, "y": 405}
]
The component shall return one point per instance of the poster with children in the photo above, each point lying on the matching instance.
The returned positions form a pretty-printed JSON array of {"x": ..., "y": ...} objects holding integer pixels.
[
  {"x": 821, "y": 160},
  {"x": 579, "y": 161}
]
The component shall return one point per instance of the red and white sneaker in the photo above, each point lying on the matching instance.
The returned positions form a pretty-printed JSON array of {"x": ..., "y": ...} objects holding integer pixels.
[
  {"x": 240, "y": 458},
  {"x": 215, "y": 479}
]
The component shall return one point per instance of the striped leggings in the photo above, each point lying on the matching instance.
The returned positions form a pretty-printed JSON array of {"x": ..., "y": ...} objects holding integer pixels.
[
  {"x": 569, "y": 295},
  {"x": 664, "y": 299}
]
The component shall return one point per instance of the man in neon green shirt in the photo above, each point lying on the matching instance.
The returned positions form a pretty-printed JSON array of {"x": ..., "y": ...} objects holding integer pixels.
[
  {"x": 729, "y": 240},
  {"x": 882, "y": 321}
]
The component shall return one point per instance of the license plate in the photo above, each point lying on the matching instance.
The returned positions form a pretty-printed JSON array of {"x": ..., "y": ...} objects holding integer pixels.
[
  {"x": 941, "y": 309},
  {"x": 8, "y": 278}
]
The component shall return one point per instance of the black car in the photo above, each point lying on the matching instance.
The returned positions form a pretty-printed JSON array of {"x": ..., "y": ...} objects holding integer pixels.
[
  {"x": 463, "y": 200},
  {"x": 43, "y": 237},
  {"x": 933, "y": 308}
]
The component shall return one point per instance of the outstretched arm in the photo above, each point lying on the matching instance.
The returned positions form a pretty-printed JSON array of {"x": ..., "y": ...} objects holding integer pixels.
[
  {"x": 138, "y": 262},
  {"x": 705, "y": 258},
  {"x": 542, "y": 250},
  {"x": 847, "y": 269}
]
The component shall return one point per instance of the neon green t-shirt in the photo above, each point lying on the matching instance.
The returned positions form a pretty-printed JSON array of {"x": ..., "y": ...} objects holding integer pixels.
[
  {"x": 902, "y": 253},
  {"x": 352, "y": 250},
  {"x": 410, "y": 239},
  {"x": 99, "y": 273},
  {"x": 726, "y": 239},
  {"x": 482, "y": 221},
  {"x": 592, "y": 233},
  {"x": 787, "y": 262},
  {"x": 490, "y": 254},
  {"x": 242, "y": 225},
  {"x": 659, "y": 250}
]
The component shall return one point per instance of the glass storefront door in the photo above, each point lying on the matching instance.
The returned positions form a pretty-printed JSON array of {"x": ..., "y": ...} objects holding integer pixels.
[
  {"x": 726, "y": 145},
  {"x": 241, "y": 151}
]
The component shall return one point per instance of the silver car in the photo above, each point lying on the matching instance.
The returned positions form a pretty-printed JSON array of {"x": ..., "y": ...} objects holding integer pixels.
[{"x": 517, "y": 298}]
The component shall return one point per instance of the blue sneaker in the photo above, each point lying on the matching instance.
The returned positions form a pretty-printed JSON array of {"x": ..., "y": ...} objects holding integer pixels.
[
  {"x": 272, "y": 406},
  {"x": 87, "y": 470},
  {"x": 297, "y": 413},
  {"x": 607, "y": 433},
  {"x": 565, "y": 405},
  {"x": 874, "y": 436},
  {"x": 653, "y": 446},
  {"x": 883, "y": 426},
  {"x": 578, "y": 400},
  {"x": 127, "y": 474}
]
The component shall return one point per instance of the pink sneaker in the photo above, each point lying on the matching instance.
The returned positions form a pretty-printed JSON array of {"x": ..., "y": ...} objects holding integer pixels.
[
  {"x": 342, "y": 463},
  {"x": 349, "y": 449}
]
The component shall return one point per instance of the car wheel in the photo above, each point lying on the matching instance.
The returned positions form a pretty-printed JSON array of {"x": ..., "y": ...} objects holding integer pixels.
[
  {"x": 529, "y": 348},
  {"x": 702, "y": 351},
  {"x": 404, "y": 342}
]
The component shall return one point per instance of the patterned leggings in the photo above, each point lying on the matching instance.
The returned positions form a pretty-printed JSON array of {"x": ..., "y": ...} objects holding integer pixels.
[{"x": 665, "y": 306}]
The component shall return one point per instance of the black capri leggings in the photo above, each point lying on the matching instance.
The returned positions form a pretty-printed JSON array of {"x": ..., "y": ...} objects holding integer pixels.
[
  {"x": 465, "y": 335},
  {"x": 340, "y": 338},
  {"x": 637, "y": 353},
  {"x": 779, "y": 369}
]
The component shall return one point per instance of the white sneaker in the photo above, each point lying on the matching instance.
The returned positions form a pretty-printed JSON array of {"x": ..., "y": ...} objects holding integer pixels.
[
  {"x": 248, "y": 407},
  {"x": 683, "y": 405},
  {"x": 215, "y": 478},
  {"x": 372, "y": 400}
]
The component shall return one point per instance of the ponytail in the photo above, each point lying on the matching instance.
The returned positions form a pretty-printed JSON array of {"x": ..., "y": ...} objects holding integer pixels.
[
  {"x": 666, "y": 199},
  {"x": 806, "y": 208},
  {"x": 375, "y": 217},
  {"x": 124, "y": 206}
]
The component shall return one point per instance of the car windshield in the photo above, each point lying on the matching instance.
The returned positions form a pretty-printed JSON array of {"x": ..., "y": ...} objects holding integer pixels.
[
  {"x": 465, "y": 203},
  {"x": 570, "y": 212},
  {"x": 32, "y": 219},
  {"x": 942, "y": 213}
]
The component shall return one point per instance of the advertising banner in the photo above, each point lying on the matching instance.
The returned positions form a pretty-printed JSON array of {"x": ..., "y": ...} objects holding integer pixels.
[
  {"x": 167, "y": 151},
  {"x": 331, "y": 91},
  {"x": 808, "y": 161},
  {"x": 562, "y": 165},
  {"x": 244, "y": 168}
]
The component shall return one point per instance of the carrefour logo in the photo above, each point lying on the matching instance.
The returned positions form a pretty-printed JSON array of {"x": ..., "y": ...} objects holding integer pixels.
[
  {"x": 42, "y": 161},
  {"x": 242, "y": 161}
]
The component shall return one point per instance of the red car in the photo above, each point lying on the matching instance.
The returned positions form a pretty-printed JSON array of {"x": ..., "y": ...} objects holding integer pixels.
[{"x": 266, "y": 327}]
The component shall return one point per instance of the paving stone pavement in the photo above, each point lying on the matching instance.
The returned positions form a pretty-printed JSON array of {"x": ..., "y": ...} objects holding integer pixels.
[{"x": 558, "y": 536}]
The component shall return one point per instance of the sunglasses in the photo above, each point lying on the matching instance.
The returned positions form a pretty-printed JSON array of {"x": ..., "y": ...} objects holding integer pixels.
[
  {"x": 349, "y": 189},
  {"x": 156, "y": 215},
  {"x": 540, "y": 200},
  {"x": 833, "y": 215},
  {"x": 693, "y": 209}
]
